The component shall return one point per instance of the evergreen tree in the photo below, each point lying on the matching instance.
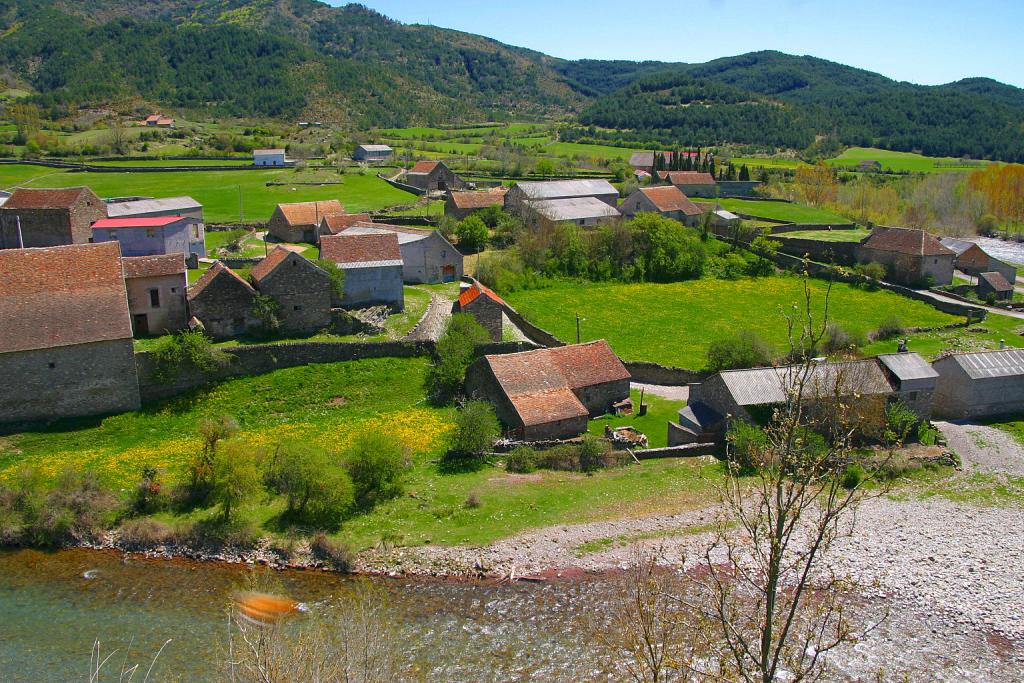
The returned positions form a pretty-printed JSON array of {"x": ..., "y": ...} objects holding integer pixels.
[{"x": 744, "y": 173}]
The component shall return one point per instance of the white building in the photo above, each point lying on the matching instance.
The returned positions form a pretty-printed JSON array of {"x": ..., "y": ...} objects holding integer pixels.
[{"x": 268, "y": 157}]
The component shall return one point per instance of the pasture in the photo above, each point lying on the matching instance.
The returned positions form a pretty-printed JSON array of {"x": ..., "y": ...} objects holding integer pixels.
[
  {"x": 782, "y": 211},
  {"x": 673, "y": 324},
  {"x": 902, "y": 161},
  {"x": 855, "y": 235}
]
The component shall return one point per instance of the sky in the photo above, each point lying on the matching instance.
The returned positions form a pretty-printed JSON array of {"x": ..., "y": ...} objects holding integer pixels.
[{"x": 921, "y": 41}]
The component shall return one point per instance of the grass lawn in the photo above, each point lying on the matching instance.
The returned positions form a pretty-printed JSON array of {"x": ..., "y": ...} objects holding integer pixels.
[
  {"x": 673, "y": 324},
  {"x": 654, "y": 424},
  {"x": 145, "y": 163},
  {"x": 766, "y": 162},
  {"x": 931, "y": 344},
  {"x": 902, "y": 161},
  {"x": 218, "y": 191},
  {"x": 782, "y": 211},
  {"x": 855, "y": 235}
]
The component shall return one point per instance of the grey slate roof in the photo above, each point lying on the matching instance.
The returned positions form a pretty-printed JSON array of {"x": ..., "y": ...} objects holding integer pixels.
[
  {"x": 375, "y": 148},
  {"x": 698, "y": 417},
  {"x": 560, "y": 189},
  {"x": 908, "y": 366},
  {"x": 141, "y": 206},
  {"x": 958, "y": 246},
  {"x": 576, "y": 208},
  {"x": 767, "y": 386},
  {"x": 403, "y": 237},
  {"x": 987, "y": 364},
  {"x": 352, "y": 265}
]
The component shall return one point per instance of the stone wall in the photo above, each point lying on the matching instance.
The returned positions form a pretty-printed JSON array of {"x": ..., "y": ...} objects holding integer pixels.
[
  {"x": 424, "y": 261},
  {"x": 373, "y": 286},
  {"x": 401, "y": 186},
  {"x": 652, "y": 373},
  {"x": 532, "y": 332},
  {"x": 819, "y": 250},
  {"x": 302, "y": 292},
  {"x": 598, "y": 398},
  {"x": 690, "y": 450},
  {"x": 738, "y": 188},
  {"x": 68, "y": 381},
  {"x": 488, "y": 314},
  {"x": 171, "y": 313}
]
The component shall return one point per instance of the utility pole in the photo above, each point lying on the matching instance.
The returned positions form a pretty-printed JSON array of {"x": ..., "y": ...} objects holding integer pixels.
[{"x": 577, "y": 328}]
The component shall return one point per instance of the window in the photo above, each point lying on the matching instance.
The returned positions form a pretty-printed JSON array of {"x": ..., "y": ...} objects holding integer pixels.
[
  {"x": 296, "y": 308},
  {"x": 174, "y": 290},
  {"x": 195, "y": 231},
  {"x": 150, "y": 232},
  {"x": 154, "y": 298},
  {"x": 52, "y": 365},
  {"x": 912, "y": 396}
]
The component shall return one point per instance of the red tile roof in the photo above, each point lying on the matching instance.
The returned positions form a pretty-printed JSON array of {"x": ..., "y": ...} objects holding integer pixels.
[
  {"x": 540, "y": 383},
  {"x": 337, "y": 222},
  {"x": 217, "y": 270},
  {"x": 996, "y": 281},
  {"x": 360, "y": 248},
  {"x": 424, "y": 166},
  {"x": 474, "y": 292},
  {"x": 688, "y": 178},
  {"x": 479, "y": 200},
  {"x": 141, "y": 222},
  {"x": 906, "y": 241},
  {"x": 30, "y": 198},
  {"x": 153, "y": 266},
  {"x": 671, "y": 198},
  {"x": 309, "y": 213},
  {"x": 270, "y": 263},
  {"x": 59, "y": 296}
]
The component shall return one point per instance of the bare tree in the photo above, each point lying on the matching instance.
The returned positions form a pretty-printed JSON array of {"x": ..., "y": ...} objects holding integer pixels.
[{"x": 117, "y": 137}]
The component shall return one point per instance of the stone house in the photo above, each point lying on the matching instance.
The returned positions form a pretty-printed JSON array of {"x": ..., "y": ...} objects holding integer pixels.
[
  {"x": 667, "y": 200},
  {"x": 49, "y": 217},
  {"x": 869, "y": 166},
  {"x": 486, "y": 307},
  {"x": 459, "y": 205},
  {"x": 521, "y": 195},
  {"x": 973, "y": 260},
  {"x": 373, "y": 153},
  {"x": 433, "y": 176},
  {"x": 692, "y": 183},
  {"x": 153, "y": 235},
  {"x": 338, "y": 223},
  {"x": 269, "y": 157},
  {"x": 222, "y": 302},
  {"x": 301, "y": 289},
  {"x": 157, "y": 286},
  {"x": 427, "y": 257},
  {"x": 65, "y": 334},
  {"x": 300, "y": 222},
  {"x": 151, "y": 208},
  {"x": 550, "y": 393},
  {"x": 994, "y": 284},
  {"x": 585, "y": 212},
  {"x": 980, "y": 385},
  {"x": 372, "y": 265},
  {"x": 910, "y": 256}
]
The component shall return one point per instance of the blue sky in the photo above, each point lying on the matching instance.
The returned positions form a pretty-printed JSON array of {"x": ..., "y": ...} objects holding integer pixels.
[{"x": 923, "y": 41}]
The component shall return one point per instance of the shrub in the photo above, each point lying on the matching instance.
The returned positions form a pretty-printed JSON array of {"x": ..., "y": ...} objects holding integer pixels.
[
  {"x": 236, "y": 475},
  {"x": 472, "y": 501},
  {"x": 873, "y": 270},
  {"x": 453, "y": 354},
  {"x": 838, "y": 338},
  {"x": 476, "y": 429},
  {"x": 521, "y": 459},
  {"x": 901, "y": 421},
  {"x": 199, "y": 483},
  {"x": 337, "y": 276},
  {"x": 149, "y": 495},
  {"x": 145, "y": 533},
  {"x": 189, "y": 350},
  {"x": 472, "y": 234},
  {"x": 76, "y": 509},
  {"x": 565, "y": 457},
  {"x": 335, "y": 553},
  {"x": 747, "y": 444},
  {"x": 854, "y": 476},
  {"x": 593, "y": 453},
  {"x": 375, "y": 463},
  {"x": 268, "y": 312},
  {"x": 742, "y": 350},
  {"x": 316, "y": 490},
  {"x": 988, "y": 225},
  {"x": 889, "y": 328}
]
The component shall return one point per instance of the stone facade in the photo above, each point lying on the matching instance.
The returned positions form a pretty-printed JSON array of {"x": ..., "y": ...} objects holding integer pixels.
[
  {"x": 488, "y": 313},
  {"x": 157, "y": 303},
  {"x": 910, "y": 256},
  {"x": 50, "y": 217},
  {"x": 965, "y": 392},
  {"x": 432, "y": 176},
  {"x": 222, "y": 302},
  {"x": 149, "y": 236},
  {"x": 300, "y": 222},
  {"x": 301, "y": 289},
  {"x": 370, "y": 285}
]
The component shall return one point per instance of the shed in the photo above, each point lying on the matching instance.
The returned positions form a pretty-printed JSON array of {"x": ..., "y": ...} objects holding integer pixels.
[
  {"x": 433, "y": 176},
  {"x": 269, "y": 157},
  {"x": 972, "y": 259},
  {"x": 667, "y": 200},
  {"x": 692, "y": 183},
  {"x": 151, "y": 208},
  {"x": 980, "y": 385},
  {"x": 585, "y": 212},
  {"x": 301, "y": 289},
  {"x": 996, "y": 285},
  {"x": 300, "y": 222},
  {"x": 372, "y": 265},
  {"x": 427, "y": 257},
  {"x": 910, "y": 256},
  {"x": 486, "y": 307},
  {"x": 373, "y": 153},
  {"x": 461, "y": 204},
  {"x": 150, "y": 236},
  {"x": 222, "y": 301},
  {"x": 157, "y": 287},
  {"x": 522, "y": 194},
  {"x": 49, "y": 217}
]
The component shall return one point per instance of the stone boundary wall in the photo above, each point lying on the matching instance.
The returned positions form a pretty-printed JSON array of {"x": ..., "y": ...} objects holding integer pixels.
[
  {"x": 689, "y": 450},
  {"x": 535, "y": 334},
  {"x": 240, "y": 261},
  {"x": 739, "y": 188},
  {"x": 651, "y": 373},
  {"x": 74, "y": 166},
  {"x": 819, "y": 250},
  {"x": 223, "y": 227},
  {"x": 412, "y": 221},
  {"x": 402, "y": 186},
  {"x": 799, "y": 227}
]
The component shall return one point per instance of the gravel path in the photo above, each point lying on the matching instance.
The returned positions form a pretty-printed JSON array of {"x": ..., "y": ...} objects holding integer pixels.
[
  {"x": 984, "y": 448},
  {"x": 431, "y": 326},
  {"x": 672, "y": 393}
]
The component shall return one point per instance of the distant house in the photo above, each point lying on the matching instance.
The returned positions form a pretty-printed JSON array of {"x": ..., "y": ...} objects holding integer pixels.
[
  {"x": 458, "y": 205},
  {"x": 869, "y": 166},
  {"x": 301, "y": 289},
  {"x": 427, "y": 257},
  {"x": 521, "y": 194},
  {"x": 586, "y": 212},
  {"x": 486, "y": 307},
  {"x": 996, "y": 285},
  {"x": 373, "y": 153},
  {"x": 692, "y": 183},
  {"x": 49, "y": 218},
  {"x": 432, "y": 176},
  {"x": 337, "y": 223},
  {"x": 550, "y": 393},
  {"x": 152, "y": 208},
  {"x": 667, "y": 200},
  {"x": 973, "y": 260},
  {"x": 372, "y": 265},
  {"x": 222, "y": 302},
  {"x": 157, "y": 288},
  {"x": 65, "y": 334},
  {"x": 910, "y": 256},
  {"x": 980, "y": 385},
  {"x": 152, "y": 119},
  {"x": 300, "y": 222},
  {"x": 269, "y": 157},
  {"x": 152, "y": 236},
  {"x": 165, "y": 122}
]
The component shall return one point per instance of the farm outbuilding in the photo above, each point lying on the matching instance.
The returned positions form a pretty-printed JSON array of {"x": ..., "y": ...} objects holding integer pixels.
[
  {"x": 152, "y": 208},
  {"x": 911, "y": 257},
  {"x": 667, "y": 200},
  {"x": 972, "y": 259},
  {"x": 157, "y": 287},
  {"x": 301, "y": 289},
  {"x": 151, "y": 236},
  {"x": 458, "y": 205},
  {"x": 269, "y": 157},
  {"x": 522, "y": 194},
  {"x": 427, "y": 257},
  {"x": 486, "y": 307},
  {"x": 433, "y": 176},
  {"x": 372, "y": 265},
  {"x": 586, "y": 212},
  {"x": 222, "y": 301},
  {"x": 300, "y": 222},
  {"x": 373, "y": 153},
  {"x": 980, "y": 385},
  {"x": 47, "y": 218},
  {"x": 692, "y": 183},
  {"x": 994, "y": 284}
]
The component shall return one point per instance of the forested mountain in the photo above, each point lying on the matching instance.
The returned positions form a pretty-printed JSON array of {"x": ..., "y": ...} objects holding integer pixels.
[{"x": 350, "y": 65}]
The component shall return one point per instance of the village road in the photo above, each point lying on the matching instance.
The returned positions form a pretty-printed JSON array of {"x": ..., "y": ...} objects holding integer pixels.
[{"x": 984, "y": 448}]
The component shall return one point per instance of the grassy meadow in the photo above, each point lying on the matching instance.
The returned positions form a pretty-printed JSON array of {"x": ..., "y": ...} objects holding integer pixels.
[
  {"x": 902, "y": 161},
  {"x": 855, "y": 235},
  {"x": 673, "y": 324},
  {"x": 782, "y": 211}
]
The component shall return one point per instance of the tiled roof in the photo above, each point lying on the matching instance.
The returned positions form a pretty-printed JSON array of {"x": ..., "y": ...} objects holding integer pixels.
[
  {"x": 424, "y": 166},
  {"x": 30, "y": 198},
  {"x": 337, "y": 222},
  {"x": 906, "y": 241},
  {"x": 540, "y": 383},
  {"x": 351, "y": 249},
  {"x": 479, "y": 200},
  {"x": 474, "y": 292},
  {"x": 996, "y": 281},
  {"x": 267, "y": 265},
  {"x": 153, "y": 266},
  {"x": 766, "y": 386},
  {"x": 139, "y": 206},
  {"x": 688, "y": 177},
  {"x": 309, "y": 213},
  {"x": 137, "y": 222},
  {"x": 671, "y": 198},
  {"x": 217, "y": 270},
  {"x": 59, "y": 296}
]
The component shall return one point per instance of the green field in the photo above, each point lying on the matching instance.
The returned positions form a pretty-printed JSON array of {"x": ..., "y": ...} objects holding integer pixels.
[
  {"x": 240, "y": 161},
  {"x": 855, "y": 235},
  {"x": 782, "y": 211},
  {"x": 902, "y": 161},
  {"x": 673, "y": 324},
  {"x": 988, "y": 335},
  {"x": 767, "y": 162},
  {"x": 218, "y": 191}
]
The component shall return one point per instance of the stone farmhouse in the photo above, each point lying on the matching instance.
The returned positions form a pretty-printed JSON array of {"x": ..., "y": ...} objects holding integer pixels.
[
  {"x": 973, "y": 260},
  {"x": 49, "y": 217},
  {"x": 692, "y": 183},
  {"x": 869, "y": 166},
  {"x": 301, "y": 289},
  {"x": 550, "y": 393},
  {"x": 910, "y": 256},
  {"x": 750, "y": 394},
  {"x": 486, "y": 307},
  {"x": 269, "y": 157},
  {"x": 151, "y": 208},
  {"x": 373, "y": 268},
  {"x": 521, "y": 195},
  {"x": 300, "y": 222},
  {"x": 996, "y": 285},
  {"x": 221, "y": 301},
  {"x": 338, "y": 223},
  {"x": 427, "y": 257},
  {"x": 459, "y": 205},
  {"x": 153, "y": 235},
  {"x": 373, "y": 153},
  {"x": 667, "y": 200},
  {"x": 433, "y": 176},
  {"x": 586, "y": 212},
  {"x": 980, "y": 385},
  {"x": 157, "y": 287},
  {"x": 65, "y": 335}
]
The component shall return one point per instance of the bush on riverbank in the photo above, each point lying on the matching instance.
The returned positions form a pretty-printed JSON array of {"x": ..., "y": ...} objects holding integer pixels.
[{"x": 77, "y": 509}]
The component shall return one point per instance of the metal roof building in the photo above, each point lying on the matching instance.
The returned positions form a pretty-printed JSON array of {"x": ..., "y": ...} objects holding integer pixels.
[
  {"x": 981, "y": 384},
  {"x": 145, "y": 208}
]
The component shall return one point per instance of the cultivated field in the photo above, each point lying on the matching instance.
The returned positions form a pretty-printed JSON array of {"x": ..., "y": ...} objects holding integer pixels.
[
  {"x": 673, "y": 324},
  {"x": 782, "y": 211},
  {"x": 902, "y": 161}
]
